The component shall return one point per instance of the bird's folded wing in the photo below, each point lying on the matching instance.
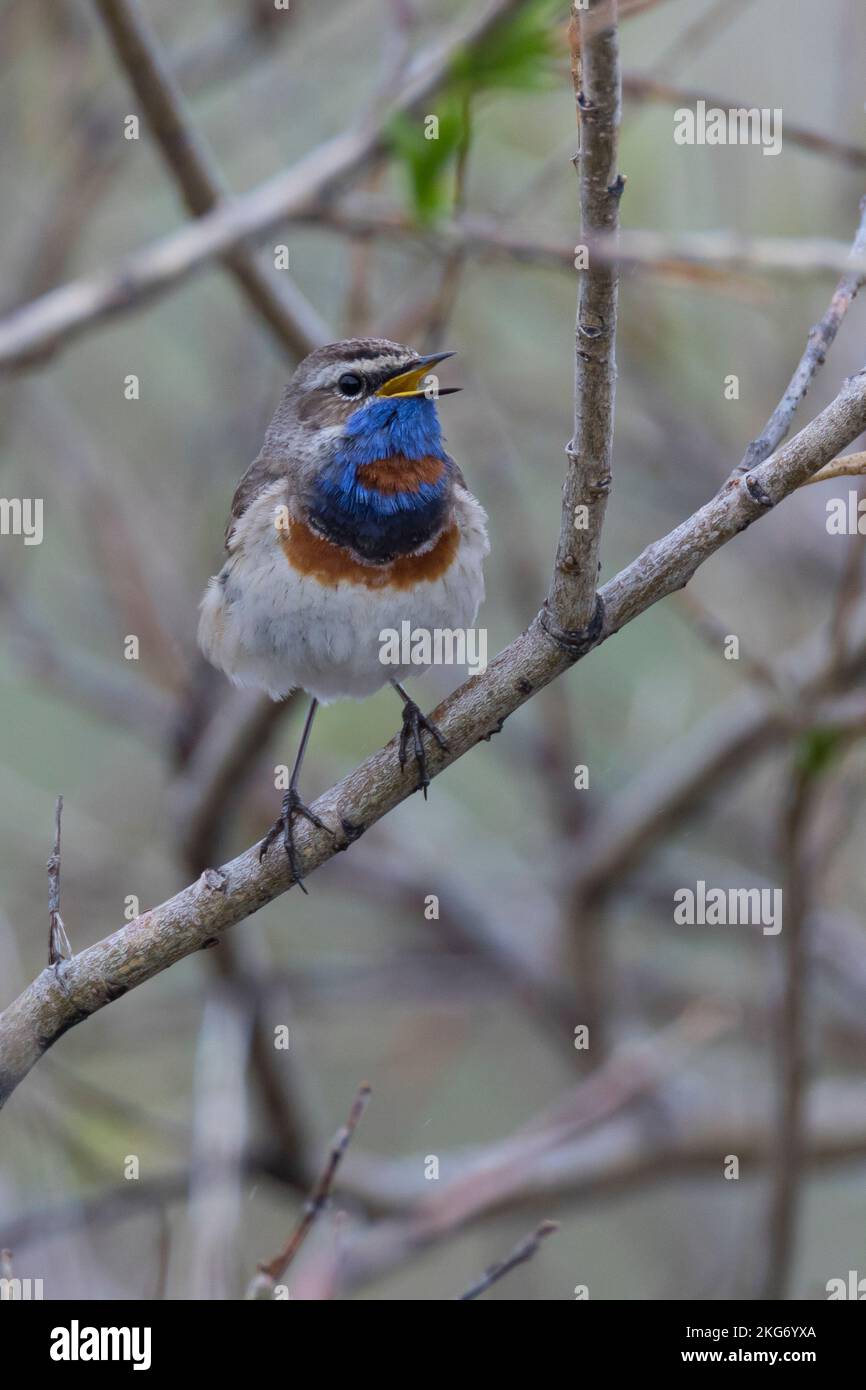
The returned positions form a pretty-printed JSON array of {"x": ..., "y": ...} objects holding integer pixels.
[{"x": 262, "y": 472}]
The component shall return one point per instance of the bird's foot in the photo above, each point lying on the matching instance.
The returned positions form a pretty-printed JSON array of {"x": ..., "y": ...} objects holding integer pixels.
[
  {"x": 284, "y": 826},
  {"x": 414, "y": 721}
]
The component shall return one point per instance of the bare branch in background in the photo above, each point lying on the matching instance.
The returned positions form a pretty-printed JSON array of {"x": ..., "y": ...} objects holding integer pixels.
[
  {"x": 646, "y": 87},
  {"x": 702, "y": 259},
  {"x": 523, "y": 1251},
  {"x": 38, "y": 329},
  {"x": 98, "y": 154},
  {"x": 848, "y": 592},
  {"x": 715, "y": 631},
  {"x": 791, "y": 1047},
  {"x": 287, "y": 312},
  {"x": 487, "y": 239},
  {"x": 29, "y": 334},
  {"x": 727, "y": 250},
  {"x": 806, "y": 864},
  {"x": 83, "y": 678},
  {"x": 218, "y": 1144},
  {"x": 496, "y": 1176},
  {"x": 222, "y": 760},
  {"x": 622, "y": 1154},
  {"x": 698, "y": 34}
]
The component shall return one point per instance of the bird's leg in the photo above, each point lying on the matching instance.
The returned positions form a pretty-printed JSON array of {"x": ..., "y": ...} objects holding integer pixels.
[
  {"x": 413, "y": 723},
  {"x": 294, "y": 806}
]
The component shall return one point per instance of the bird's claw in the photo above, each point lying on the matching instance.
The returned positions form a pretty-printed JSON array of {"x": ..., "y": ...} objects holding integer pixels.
[
  {"x": 284, "y": 826},
  {"x": 414, "y": 721}
]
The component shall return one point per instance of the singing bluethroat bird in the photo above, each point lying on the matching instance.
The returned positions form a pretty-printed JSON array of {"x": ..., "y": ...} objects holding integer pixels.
[{"x": 352, "y": 520}]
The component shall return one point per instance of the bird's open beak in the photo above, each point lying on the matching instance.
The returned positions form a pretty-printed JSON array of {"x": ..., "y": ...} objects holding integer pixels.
[{"x": 409, "y": 381}]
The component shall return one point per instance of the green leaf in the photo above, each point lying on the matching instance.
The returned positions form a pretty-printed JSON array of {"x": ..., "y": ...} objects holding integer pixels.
[
  {"x": 518, "y": 54},
  {"x": 816, "y": 750},
  {"x": 427, "y": 160}
]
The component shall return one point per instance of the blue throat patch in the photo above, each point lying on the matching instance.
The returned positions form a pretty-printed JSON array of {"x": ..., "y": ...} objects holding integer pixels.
[{"x": 381, "y": 525}]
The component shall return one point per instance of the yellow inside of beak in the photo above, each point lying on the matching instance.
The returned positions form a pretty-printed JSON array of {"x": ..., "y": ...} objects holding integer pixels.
[{"x": 407, "y": 383}]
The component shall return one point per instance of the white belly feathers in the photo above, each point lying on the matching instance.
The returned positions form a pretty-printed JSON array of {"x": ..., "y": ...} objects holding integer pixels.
[{"x": 267, "y": 624}]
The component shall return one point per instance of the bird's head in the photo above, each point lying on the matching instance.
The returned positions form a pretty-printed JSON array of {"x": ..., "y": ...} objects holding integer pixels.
[
  {"x": 359, "y": 425},
  {"x": 363, "y": 387}
]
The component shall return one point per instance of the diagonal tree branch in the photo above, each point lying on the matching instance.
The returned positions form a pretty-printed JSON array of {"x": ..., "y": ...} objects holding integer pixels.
[
  {"x": 523, "y": 1251},
  {"x": 821, "y": 338},
  {"x": 290, "y": 316},
  {"x": 194, "y": 918}
]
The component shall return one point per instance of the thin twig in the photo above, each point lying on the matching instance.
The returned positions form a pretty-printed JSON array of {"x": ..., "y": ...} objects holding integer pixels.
[
  {"x": 272, "y": 1271},
  {"x": 821, "y": 337},
  {"x": 848, "y": 466},
  {"x": 523, "y": 1251},
  {"x": 59, "y": 948}
]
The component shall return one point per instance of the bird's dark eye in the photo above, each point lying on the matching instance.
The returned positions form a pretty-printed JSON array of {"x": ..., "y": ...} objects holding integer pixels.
[{"x": 350, "y": 384}]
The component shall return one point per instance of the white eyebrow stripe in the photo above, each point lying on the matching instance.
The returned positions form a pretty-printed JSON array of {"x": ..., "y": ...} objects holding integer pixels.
[{"x": 330, "y": 375}]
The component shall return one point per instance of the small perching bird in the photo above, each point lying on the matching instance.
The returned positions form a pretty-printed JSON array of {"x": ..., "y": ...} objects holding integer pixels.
[{"x": 352, "y": 521}]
